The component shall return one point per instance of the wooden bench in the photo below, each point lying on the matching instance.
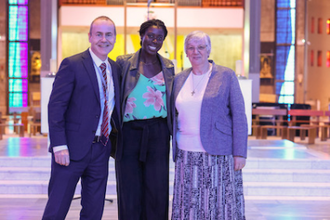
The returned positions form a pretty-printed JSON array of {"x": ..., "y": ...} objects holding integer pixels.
[
  {"x": 276, "y": 120},
  {"x": 19, "y": 128},
  {"x": 316, "y": 122},
  {"x": 256, "y": 131},
  {"x": 294, "y": 113},
  {"x": 283, "y": 131},
  {"x": 326, "y": 127},
  {"x": 311, "y": 133},
  {"x": 35, "y": 123},
  {"x": 322, "y": 128}
]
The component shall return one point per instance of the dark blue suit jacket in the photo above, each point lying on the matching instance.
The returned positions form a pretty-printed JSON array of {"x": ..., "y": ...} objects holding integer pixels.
[{"x": 74, "y": 106}]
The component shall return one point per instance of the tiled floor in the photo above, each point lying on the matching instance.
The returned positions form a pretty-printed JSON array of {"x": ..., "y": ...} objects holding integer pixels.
[{"x": 256, "y": 208}]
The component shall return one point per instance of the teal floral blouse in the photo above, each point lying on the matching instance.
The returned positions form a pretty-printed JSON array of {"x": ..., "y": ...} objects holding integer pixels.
[{"x": 147, "y": 100}]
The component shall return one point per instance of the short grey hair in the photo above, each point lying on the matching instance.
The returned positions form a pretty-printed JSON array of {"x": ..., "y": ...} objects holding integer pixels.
[{"x": 198, "y": 35}]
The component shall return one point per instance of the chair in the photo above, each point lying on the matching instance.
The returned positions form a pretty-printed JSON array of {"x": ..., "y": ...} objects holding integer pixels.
[
  {"x": 35, "y": 124},
  {"x": 35, "y": 98},
  {"x": 24, "y": 120}
]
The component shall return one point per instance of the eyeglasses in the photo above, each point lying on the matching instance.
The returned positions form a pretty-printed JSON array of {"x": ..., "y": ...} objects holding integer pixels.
[
  {"x": 153, "y": 37},
  {"x": 199, "y": 48}
]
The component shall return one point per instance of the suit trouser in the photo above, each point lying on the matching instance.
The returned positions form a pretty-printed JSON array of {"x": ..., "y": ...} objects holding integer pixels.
[
  {"x": 143, "y": 171},
  {"x": 93, "y": 171}
]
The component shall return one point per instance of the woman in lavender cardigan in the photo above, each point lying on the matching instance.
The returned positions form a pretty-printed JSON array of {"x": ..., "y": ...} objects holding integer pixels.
[{"x": 209, "y": 137}]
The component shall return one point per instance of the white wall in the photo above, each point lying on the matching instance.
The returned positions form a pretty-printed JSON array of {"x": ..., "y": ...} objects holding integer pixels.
[{"x": 217, "y": 18}]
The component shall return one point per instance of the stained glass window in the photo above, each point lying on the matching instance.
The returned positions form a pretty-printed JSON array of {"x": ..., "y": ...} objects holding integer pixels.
[
  {"x": 18, "y": 34},
  {"x": 18, "y": 60},
  {"x": 285, "y": 50},
  {"x": 18, "y": 23}
]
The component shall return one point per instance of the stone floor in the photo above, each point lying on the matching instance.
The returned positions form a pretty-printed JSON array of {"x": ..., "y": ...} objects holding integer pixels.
[{"x": 20, "y": 208}]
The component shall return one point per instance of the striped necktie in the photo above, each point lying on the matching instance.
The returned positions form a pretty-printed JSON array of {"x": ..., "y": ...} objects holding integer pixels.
[{"x": 105, "y": 121}]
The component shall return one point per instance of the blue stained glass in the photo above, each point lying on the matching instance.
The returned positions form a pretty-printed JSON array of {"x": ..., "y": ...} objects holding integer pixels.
[
  {"x": 285, "y": 88},
  {"x": 283, "y": 3},
  {"x": 15, "y": 85},
  {"x": 18, "y": 2},
  {"x": 18, "y": 52},
  {"x": 285, "y": 30},
  {"x": 282, "y": 54},
  {"x": 18, "y": 60},
  {"x": 286, "y": 3},
  {"x": 24, "y": 85},
  {"x": 18, "y": 90},
  {"x": 285, "y": 50},
  {"x": 18, "y": 99},
  {"x": 286, "y": 99},
  {"x": 18, "y": 23}
]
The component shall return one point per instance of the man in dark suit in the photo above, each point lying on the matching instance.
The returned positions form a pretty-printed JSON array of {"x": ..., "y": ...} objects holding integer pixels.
[{"x": 82, "y": 110}]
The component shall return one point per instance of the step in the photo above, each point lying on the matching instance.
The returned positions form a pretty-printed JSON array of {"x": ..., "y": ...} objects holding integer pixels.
[
  {"x": 281, "y": 175},
  {"x": 33, "y": 173},
  {"x": 43, "y": 173},
  {"x": 286, "y": 189},
  {"x": 269, "y": 163},
  {"x": 251, "y": 163},
  {"x": 249, "y": 175},
  {"x": 43, "y": 161},
  {"x": 262, "y": 177},
  {"x": 39, "y": 187},
  {"x": 250, "y": 188}
]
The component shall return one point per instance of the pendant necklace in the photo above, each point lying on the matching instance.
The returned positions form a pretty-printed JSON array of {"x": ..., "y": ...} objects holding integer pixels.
[{"x": 202, "y": 78}]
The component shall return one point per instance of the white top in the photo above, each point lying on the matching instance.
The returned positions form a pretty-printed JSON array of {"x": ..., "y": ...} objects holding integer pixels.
[{"x": 189, "y": 106}]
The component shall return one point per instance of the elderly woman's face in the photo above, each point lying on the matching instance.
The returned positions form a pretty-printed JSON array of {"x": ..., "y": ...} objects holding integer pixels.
[
  {"x": 197, "y": 52},
  {"x": 153, "y": 39}
]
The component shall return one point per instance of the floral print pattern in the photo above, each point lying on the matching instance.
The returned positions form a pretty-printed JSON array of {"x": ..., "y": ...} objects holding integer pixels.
[
  {"x": 158, "y": 80},
  {"x": 147, "y": 99},
  {"x": 130, "y": 105},
  {"x": 154, "y": 97}
]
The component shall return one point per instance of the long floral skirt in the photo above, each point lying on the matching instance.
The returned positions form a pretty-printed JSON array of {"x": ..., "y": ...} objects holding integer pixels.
[{"x": 207, "y": 187}]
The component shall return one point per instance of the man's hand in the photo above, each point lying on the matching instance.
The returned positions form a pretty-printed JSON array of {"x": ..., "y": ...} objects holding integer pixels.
[
  {"x": 62, "y": 157},
  {"x": 239, "y": 163}
]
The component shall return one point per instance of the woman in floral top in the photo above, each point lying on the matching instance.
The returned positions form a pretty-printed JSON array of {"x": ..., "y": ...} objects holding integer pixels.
[{"x": 142, "y": 160}]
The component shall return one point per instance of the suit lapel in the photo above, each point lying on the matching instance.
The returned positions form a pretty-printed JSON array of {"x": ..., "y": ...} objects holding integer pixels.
[{"x": 89, "y": 66}]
